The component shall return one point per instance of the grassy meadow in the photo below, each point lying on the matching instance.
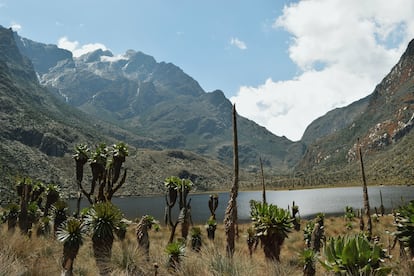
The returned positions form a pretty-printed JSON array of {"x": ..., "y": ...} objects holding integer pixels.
[{"x": 39, "y": 255}]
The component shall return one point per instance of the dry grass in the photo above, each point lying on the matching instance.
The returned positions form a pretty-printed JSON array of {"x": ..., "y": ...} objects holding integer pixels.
[{"x": 20, "y": 255}]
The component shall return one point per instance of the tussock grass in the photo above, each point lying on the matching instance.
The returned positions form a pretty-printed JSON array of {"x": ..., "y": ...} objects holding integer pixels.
[{"x": 21, "y": 255}]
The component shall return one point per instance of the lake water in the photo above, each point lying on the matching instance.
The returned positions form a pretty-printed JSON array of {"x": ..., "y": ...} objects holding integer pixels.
[{"x": 310, "y": 202}]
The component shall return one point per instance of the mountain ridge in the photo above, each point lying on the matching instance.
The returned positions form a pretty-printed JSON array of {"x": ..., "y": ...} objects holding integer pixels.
[
  {"x": 159, "y": 101},
  {"x": 383, "y": 127}
]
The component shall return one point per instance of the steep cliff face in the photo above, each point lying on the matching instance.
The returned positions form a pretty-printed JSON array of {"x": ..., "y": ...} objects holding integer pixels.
[
  {"x": 383, "y": 124},
  {"x": 389, "y": 115}
]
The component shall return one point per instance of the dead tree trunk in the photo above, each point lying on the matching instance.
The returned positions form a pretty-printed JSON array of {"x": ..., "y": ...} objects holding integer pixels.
[
  {"x": 263, "y": 182},
  {"x": 230, "y": 217},
  {"x": 365, "y": 194}
]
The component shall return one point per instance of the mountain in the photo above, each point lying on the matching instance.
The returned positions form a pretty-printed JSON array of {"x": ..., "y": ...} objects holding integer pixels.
[
  {"x": 39, "y": 132},
  {"x": 51, "y": 100},
  {"x": 334, "y": 120},
  {"x": 158, "y": 101},
  {"x": 382, "y": 122}
]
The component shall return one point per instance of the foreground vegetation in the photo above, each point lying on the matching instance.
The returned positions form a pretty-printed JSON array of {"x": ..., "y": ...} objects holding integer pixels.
[{"x": 40, "y": 255}]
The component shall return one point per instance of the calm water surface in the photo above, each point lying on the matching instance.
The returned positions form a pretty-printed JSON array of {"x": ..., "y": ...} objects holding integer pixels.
[{"x": 310, "y": 201}]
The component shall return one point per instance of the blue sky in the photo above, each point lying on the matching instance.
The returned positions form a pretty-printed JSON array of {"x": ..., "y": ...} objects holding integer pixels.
[{"x": 284, "y": 63}]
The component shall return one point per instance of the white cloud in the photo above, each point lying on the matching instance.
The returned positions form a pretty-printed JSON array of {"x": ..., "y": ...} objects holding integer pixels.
[
  {"x": 238, "y": 43},
  {"x": 113, "y": 58},
  {"x": 16, "y": 27},
  {"x": 343, "y": 48},
  {"x": 78, "y": 50}
]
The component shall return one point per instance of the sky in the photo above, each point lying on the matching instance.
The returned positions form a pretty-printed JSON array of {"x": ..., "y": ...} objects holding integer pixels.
[{"x": 283, "y": 63}]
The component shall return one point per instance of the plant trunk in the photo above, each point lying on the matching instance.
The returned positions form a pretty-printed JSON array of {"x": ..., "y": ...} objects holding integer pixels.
[
  {"x": 317, "y": 237},
  {"x": 263, "y": 182},
  {"x": 57, "y": 222},
  {"x": 211, "y": 230},
  {"x": 173, "y": 228},
  {"x": 69, "y": 255},
  {"x": 185, "y": 226},
  {"x": 196, "y": 243},
  {"x": 142, "y": 236},
  {"x": 102, "y": 251},
  {"x": 271, "y": 247},
  {"x": 309, "y": 270},
  {"x": 174, "y": 262},
  {"x": 365, "y": 191},
  {"x": 382, "y": 209},
  {"x": 11, "y": 223},
  {"x": 230, "y": 217},
  {"x": 23, "y": 216}
]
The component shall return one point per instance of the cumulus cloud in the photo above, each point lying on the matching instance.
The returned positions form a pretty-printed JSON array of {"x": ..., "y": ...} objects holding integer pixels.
[
  {"x": 342, "y": 48},
  {"x": 77, "y": 49},
  {"x": 238, "y": 43}
]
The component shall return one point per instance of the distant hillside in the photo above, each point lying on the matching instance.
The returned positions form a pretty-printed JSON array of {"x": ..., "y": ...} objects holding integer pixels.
[
  {"x": 383, "y": 122},
  {"x": 158, "y": 101},
  {"x": 39, "y": 132}
]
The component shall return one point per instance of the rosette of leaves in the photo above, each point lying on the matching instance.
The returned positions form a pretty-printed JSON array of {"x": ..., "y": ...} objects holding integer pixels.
[
  {"x": 60, "y": 213},
  {"x": 349, "y": 217},
  {"x": 71, "y": 234},
  {"x": 52, "y": 196},
  {"x": 145, "y": 223},
  {"x": 103, "y": 220},
  {"x": 296, "y": 221},
  {"x": 98, "y": 163},
  {"x": 354, "y": 255},
  {"x": 196, "y": 239},
  {"x": 175, "y": 251},
  {"x": 119, "y": 154},
  {"x": 272, "y": 225},
  {"x": 308, "y": 258},
  {"x": 33, "y": 214},
  {"x": 404, "y": 220},
  {"x": 38, "y": 188},
  {"x": 213, "y": 204},
  {"x": 307, "y": 233},
  {"x": 211, "y": 227},
  {"x": 171, "y": 184},
  {"x": 81, "y": 156},
  {"x": 43, "y": 226},
  {"x": 11, "y": 215}
]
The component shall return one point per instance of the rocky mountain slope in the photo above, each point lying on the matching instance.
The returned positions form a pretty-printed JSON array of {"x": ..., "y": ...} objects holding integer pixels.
[
  {"x": 39, "y": 132},
  {"x": 334, "y": 120},
  {"x": 383, "y": 122},
  {"x": 158, "y": 101}
]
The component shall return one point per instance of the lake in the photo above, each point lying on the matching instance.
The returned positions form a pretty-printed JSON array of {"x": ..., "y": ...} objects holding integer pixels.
[{"x": 310, "y": 201}]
